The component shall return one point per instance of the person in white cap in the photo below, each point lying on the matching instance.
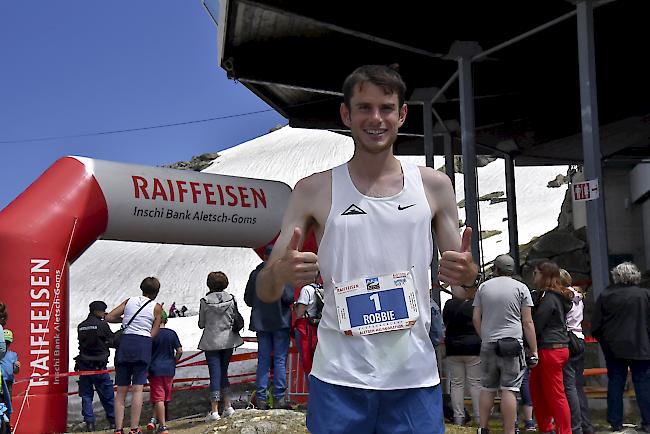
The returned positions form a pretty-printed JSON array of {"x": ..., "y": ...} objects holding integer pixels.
[{"x": 501, "y": 306}]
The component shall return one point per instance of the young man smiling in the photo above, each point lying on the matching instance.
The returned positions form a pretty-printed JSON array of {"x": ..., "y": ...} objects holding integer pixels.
[{"x": 374, "y": 220}]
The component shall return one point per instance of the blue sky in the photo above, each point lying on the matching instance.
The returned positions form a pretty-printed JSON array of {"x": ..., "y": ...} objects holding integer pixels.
[{"x": 77, "y": 67}]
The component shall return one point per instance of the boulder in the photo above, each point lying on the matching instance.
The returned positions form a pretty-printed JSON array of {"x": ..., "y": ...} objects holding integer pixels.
[
  {"x": 554, "y": 243},
  {"x": 576, "y": 261},
  {"x": 565, "y": 219},
  {"x": 558, "y": 181},
  {"x": 481, "y": 161},
  {"x": 197, "y": 163}
]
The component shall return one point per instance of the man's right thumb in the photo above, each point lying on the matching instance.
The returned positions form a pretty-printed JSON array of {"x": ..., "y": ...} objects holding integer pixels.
[{"x": 294, "y": 243}]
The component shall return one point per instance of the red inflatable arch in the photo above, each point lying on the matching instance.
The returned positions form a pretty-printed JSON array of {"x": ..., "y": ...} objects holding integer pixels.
[{"x": 75, "y": 202}]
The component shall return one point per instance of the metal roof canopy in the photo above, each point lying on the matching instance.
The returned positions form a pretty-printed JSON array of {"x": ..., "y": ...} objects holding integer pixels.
[
  {"x": 295, "y": 55},
  {"x": 526, "y": 90}
]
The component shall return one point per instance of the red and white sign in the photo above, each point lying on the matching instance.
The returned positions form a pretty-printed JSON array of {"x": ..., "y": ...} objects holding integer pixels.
[
  {"x": 78, "y": 200},
  {"x": 586, "y": 190},
  {"x": 154, "y": 204}
]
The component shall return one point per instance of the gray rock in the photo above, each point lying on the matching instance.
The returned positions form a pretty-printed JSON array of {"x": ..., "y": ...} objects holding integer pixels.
[
  {"x": 576, "y": 261},
  {"x": 581, "y": 234},
  {"x": 494, "y": 197},
  {"x": 208, "y": 156},
  {"x": 484, "y": 160},
  {"x": 556, "y": 242},
  {"x": 261, "y": 422},
  {"x": 490, "y": 196},
  {"x": 489, "y": 233},
  {"x": 558, "y": 181},
  {"x": 197, "y": 163},
  {"x": 565, "y": 219},
  {"x": 481, "y": 161}
]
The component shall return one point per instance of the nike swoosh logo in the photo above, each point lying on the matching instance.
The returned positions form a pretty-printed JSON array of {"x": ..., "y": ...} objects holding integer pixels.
[{"x": 401, "y": 208}]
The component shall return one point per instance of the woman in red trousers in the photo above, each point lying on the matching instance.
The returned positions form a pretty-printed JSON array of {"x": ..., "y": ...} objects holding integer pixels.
[
  {"x": 546, "y": 379},
  {"x": 307, "y": 314}
]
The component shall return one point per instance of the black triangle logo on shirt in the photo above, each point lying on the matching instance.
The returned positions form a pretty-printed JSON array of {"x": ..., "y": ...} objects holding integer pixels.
[{"x": 353, "y": 210}]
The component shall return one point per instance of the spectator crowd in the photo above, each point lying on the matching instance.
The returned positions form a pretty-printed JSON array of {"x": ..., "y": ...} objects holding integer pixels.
[{"x": 502, "y": 339}]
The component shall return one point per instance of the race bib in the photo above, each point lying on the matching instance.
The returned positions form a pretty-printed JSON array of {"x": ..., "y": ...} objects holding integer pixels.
[{"x": 376, "y": 304}]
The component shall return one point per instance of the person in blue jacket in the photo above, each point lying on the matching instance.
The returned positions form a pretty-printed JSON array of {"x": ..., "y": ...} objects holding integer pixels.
[{"x": 271, "y": 322}]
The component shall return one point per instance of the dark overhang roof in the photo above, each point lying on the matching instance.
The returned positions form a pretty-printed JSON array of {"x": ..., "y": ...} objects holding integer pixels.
[{"x": 295, "y": 55}]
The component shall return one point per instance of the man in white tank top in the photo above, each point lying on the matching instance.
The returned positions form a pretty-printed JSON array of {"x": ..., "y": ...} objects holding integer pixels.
[{"x": 374, "y": 367}]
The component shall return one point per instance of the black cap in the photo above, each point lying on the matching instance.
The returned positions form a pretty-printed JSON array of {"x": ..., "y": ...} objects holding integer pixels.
[
  {"x": 505, "y": 263},
  {"x": 97, "y": 305}
]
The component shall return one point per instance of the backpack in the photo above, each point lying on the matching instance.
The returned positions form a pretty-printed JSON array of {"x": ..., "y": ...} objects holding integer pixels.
[
  {"x": 238, "y": 319},
  {"x": 320, "y": 302}
]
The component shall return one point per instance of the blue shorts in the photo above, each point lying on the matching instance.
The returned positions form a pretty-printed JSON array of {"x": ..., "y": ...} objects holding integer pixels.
[
  {"x": 133, "y": 349},
  {"x": 336, "y": 409},
  {"x": 127, "y": 373}
]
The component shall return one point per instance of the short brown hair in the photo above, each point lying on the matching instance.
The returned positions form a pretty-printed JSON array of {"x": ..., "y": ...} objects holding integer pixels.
[
  {"x": 150, "y": 286},
  {"x": 383, "y": 76},
  {"x": 3, "y": 313},
  {"x": 217, "y": 281}
]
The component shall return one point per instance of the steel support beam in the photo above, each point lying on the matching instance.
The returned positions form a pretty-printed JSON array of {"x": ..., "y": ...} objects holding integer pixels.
[
  {"x": 449, "y": 160},
  {"x": 511, "y": 195},
  {"x": 285, "y": 13},
  {"x": 596, "y": 224},
  {"x": 445, "y": 86},
  {"x": 288, "y": 86},
  {"x": 427, "y": 119},
  {"x": 469, "y": 151},
  {"x": 425, "y": 96},
  {"x": 537, "y": 29}
]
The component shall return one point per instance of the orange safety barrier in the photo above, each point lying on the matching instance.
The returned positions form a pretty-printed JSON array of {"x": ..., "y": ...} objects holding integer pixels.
[
  {"x": 590, "y": 372},
  {"x": 297, "y": 384},
  {"x": 296, "y": 379}
]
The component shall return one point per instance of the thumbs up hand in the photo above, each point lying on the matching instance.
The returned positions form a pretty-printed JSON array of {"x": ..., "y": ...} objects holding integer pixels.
[
  {"x": 458, "y": 267},
  {"x": 295, "y": 267}
]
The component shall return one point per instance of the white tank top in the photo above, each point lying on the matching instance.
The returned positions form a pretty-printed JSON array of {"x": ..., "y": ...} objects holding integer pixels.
[
  {"x": 369, "y": 236},
  {"x": 142, "y": 323}
]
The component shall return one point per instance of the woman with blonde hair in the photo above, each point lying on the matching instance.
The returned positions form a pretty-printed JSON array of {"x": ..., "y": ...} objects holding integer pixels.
[
  {"x": 218, "y": 341},
  {"x": 546, "y": 379},
  {"x": 573, "y": 370}
]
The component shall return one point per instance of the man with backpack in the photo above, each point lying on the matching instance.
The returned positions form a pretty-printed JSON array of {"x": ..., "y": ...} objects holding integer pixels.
[{"x": 308, "y": 310}]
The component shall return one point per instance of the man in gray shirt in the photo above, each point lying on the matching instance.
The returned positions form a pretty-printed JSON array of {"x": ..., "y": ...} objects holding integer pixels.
[{"x": 501, "y": 306}]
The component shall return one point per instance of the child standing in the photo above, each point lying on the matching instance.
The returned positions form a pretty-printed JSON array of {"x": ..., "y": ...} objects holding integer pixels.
[
  {"x": 9, "y": 363},
  {"x": 166, "y": 351}
]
